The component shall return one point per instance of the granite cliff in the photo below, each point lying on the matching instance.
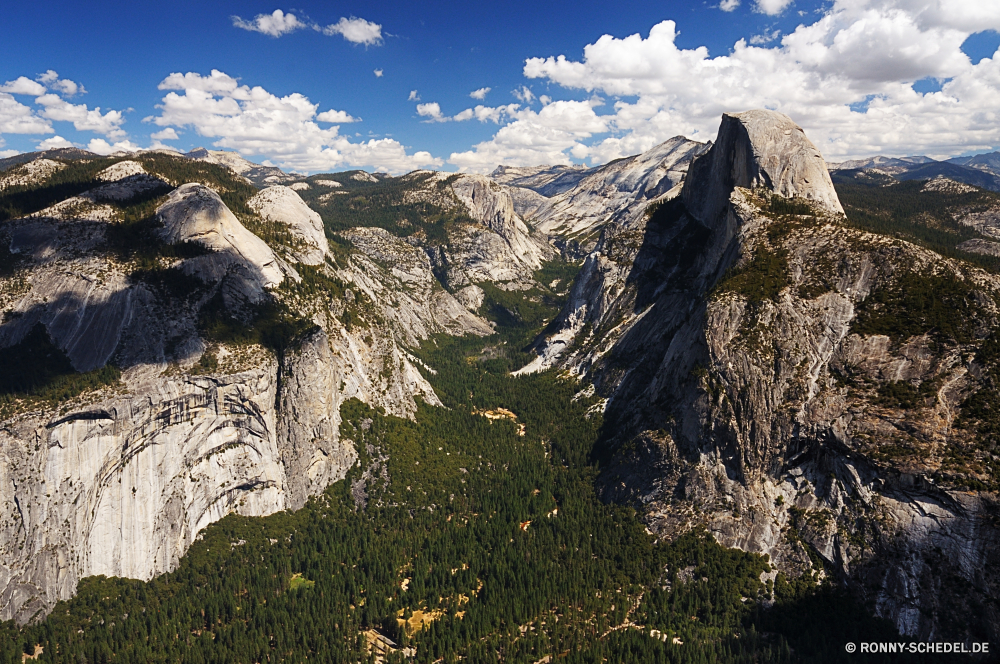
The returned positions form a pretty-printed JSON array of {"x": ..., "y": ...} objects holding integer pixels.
[
  {"x": 216, "y": 362},
  {"x": 800, "y": 387}
]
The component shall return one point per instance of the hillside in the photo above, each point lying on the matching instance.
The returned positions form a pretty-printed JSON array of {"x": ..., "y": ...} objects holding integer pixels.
[
  {"x": 705, "y": 403},
  {"x": 797, "y": 385}
]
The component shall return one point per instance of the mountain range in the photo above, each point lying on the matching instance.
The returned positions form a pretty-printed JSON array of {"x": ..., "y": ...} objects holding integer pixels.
[{"x": 798, "y": 360}]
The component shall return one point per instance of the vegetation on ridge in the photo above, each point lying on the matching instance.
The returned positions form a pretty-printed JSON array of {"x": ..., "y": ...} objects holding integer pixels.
[{"x": 459, "y": 537}]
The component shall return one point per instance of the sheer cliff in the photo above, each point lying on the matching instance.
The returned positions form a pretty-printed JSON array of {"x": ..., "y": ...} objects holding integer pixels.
[
  {"x": 801, "y": 387},
  {"x": 176, "y": 353}
]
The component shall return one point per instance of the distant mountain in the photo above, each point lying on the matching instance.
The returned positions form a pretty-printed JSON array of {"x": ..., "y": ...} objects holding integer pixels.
[
  {"x": 975, "y": 177},
  {"x": 545, "y": 180},
  {"x": 989, "y": 162},
  {"x": 261, "y": 176},
  {"x": 619, "y": 191},
  {"x": 888, "y": 164},
  {"x": 57, "y": 153}
]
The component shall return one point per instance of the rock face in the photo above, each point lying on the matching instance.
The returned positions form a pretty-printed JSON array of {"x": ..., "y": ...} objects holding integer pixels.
[
  {"x": 618, "y": 192},
  {"x": 281, "y": 204},
  {"x": 261, "y": 176},
  {"x": 491, "y": 242},
  {"x": 739, "y": 347},
  {"x": 545, "y": 180},
  {"x": 122, "y": 487},
  {"x": 759, "y": 149},
  {"x": 195, "y": 213},
  {"x": 119, "y": 481}
]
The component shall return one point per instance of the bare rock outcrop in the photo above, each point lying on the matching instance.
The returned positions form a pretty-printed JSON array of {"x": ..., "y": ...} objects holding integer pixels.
[
  {"x": 194, "y": 213},
  {"x": 619, "y": 192},
  {"x": 283, "y": 205},
  {"x": 122, "y": 486},
  {"x": 758, "y": 149},
  {"x": 747, "y": 383}
]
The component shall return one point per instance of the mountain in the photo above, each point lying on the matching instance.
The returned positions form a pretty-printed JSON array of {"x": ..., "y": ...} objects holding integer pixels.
[
  {"x": 363, "y": 414},
  {"x": 618, "y": 192},
  {"x": 977, "y": 171},
  {"x": 56, "y": 153},
  {"x": 185, "y": 331},
  {"x": 800, "y": 387},
  {"x": 989, "y": 162},
  {"x": 887, "y": 164},
  {"x": 261, "y": 176},
  {"x": 544, "y": 180},
  {"x": 975, "y": 177}
]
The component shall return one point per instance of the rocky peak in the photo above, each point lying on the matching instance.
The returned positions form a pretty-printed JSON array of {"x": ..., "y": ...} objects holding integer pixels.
[
  {"x": 283, "y": 205},
  {"x": 619, "y": 191},
  {"x": 758, "y": 148},
  {"x": 195, "y": 213}
]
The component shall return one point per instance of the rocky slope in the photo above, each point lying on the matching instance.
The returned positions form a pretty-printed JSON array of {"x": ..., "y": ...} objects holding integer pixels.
[
  {"x": 800, "y": 387},
  {"x": 235, "y": 354},
  {"x": 618, "y": 192},
  {"x": 261, "y": 176}
]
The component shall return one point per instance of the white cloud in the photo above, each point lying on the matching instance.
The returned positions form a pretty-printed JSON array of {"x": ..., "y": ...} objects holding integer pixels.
[
  {"x": 378, "y": 73},
  {"x": 83, "y": 119},
  {"x": 771, "y": 7},
  {"x": 431, "y": 110},
  {"x": 101, "y": 146},
  {"x": 216, "y": 83},
  {"x": 542, "y": 137},
  {"x": 765, "y": 37},
  {"x": 16, "y": 118},
  {"x": 336, "y": 117},
  {"x": 23, "y": 85},
  {"x": 729, "y": 5},
  {"x": 275, "y": 24},
  {"x": 168, "y": 134},
  {"x": 53, "y": 143},
  {"x": 283, "y": 129},
  {"x": 356, "y": 30},
  {"x": 858, "y": 50},
  {"x": 523, "y": 94},
  {"x": 61, "y": 85},
  {"x": 8, "y": 153},
  {"x": 480, "y": 93},
  {"x": 413, "y": 96}
]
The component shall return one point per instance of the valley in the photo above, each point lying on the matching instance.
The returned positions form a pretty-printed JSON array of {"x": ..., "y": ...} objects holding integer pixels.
[{"x": 706, "y": 403}]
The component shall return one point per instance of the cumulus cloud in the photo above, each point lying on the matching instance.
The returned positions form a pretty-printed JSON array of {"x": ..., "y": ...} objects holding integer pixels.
[
  {"x": 168, "y": 134},
  {"x": 868, "y": 51},
  {"x": 254, "y": 121},
  {"x": 431, "y": 110},
  {"x": 378, "y": 73},
  {"x": 542, "y": 137},
  {"x": 356, "y": 30},
  {"x": 336, "y": 117},
  {"x": 101, "y": 146},
  {"x": 765, "y": 37},
  {"x": 23, "y": 85},
  {"x": 413, "y": 96},
  {"x": 61, "y": 85},
  {"x": 16, "y": 118},
  {"x": 523, "y": 94},
  {"x": 275, "y": 24},
  {"x": 771, "y": 7},
  {"x": 55, "y": 107},
  {"x": 729, "y": 5},
  {"x": 54, "y": 142},
  {"x": 480, "y": 93}
]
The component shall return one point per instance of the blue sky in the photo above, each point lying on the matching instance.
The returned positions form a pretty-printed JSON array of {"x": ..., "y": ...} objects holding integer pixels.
[{"x": 643, "y": 83}]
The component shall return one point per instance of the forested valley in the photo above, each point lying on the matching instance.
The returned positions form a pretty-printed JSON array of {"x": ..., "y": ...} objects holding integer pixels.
[{"x": 470, "y": 534}]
